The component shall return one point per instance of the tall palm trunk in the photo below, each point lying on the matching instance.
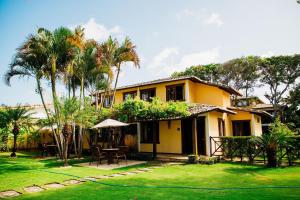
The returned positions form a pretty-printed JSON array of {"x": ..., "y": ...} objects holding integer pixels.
[
  {"x": 55, "y": 102},
  {"x": 115, "y": 88},
  {"x": 38, "y": 81},
  {"x": 80, "y": 138},
  {"x": 15, "y": 132},
  {"x": 105, "y": 91}
]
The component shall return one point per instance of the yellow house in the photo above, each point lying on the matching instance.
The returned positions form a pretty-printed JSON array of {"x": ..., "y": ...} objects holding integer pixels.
[{"x": 212, "y": 115}]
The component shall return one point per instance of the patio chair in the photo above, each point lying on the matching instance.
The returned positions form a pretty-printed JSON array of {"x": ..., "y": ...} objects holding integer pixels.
[
  {"x": 97, "y": 153},
  {"x": 121, "y": 154}
]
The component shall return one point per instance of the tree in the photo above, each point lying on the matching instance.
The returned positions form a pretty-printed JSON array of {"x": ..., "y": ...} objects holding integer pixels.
[
  {"x": 240, "y": 73},
  {"x": 16, "y": 119},
  {"x": 204, "y": 72},
  {"x": 279, "y": 73},
  {"x": 71, "y": 114},
  {"x": 30, "y": 61},
  {"x": 271, "y": 141},
  {"x": 125, "y": 53},
  {"x": 292, "y": 112}
]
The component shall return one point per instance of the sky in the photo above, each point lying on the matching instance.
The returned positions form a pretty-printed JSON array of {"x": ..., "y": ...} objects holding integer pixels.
[{"x": 170, "y": 35}]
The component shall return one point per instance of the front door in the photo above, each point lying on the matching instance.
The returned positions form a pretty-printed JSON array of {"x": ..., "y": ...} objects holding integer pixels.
[
  {"x": 187, "y": 136},
  {"x": 201, "y": 136}
]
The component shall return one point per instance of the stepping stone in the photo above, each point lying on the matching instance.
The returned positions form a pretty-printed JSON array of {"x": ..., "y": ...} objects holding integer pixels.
[
  {"x": 102, "y": 177},
  {"x": 139, "y": 171},
  {"x": 129, "y": 173},
  {"x": 72, "y": 182},
  {"x": 53, "y": 185},
  {"x": 145, "y": 169},
  {"x": 90, "y": 178},
  {"x": 156, "y": 167},
  {"x": 116, "y": 175},
  {"x": 9, "y": 193},
  {"x": 33, "y": 188}
]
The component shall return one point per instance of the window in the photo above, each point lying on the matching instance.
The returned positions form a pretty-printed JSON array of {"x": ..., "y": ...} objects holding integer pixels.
[
  {"x": 175, "y": 93},
  {"x": 147, "y": 131},
  {"x": 107, "y": 101},
  {"x": 221, "y": 126},
  {"x": 147, "y": 94},
  {"x": 241, "y": 128},
  {"x": 127, "y": 95}
]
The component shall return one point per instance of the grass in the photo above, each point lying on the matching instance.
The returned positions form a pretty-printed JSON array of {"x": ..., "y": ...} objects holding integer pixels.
[
  {"x": 222, "y": 175},
  {"x": 26, "y": 170}
]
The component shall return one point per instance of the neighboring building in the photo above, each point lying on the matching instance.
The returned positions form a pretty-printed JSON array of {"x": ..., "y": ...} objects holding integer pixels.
[
  {"x": 257, "y": 104},
  {"x": 28, "y": 141},
  {"x": 212, "y": 115}
]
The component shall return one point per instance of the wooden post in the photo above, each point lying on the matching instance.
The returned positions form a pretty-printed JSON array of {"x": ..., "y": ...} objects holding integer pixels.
[
  {"x": 154, "y": 151},
  {"x": 194, "y": 132}
]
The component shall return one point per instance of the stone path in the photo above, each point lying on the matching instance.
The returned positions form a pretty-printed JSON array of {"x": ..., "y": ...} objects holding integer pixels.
[{"x": 55, "y": 185}]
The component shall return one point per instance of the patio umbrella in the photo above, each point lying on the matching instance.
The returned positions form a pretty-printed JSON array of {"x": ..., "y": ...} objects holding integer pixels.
[{"x": 110, "y": 123}]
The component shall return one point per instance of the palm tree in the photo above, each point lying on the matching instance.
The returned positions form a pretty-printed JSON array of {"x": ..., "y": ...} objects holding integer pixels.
[
  {"x": 16, "y": 119},
  {"x": 30, "y": 61},
  {"x": 71, "y": 114},
  {"x": 57, "y": 50},
  {"x": 270, "y": 142},
  {"x": 125, "y": 53}
]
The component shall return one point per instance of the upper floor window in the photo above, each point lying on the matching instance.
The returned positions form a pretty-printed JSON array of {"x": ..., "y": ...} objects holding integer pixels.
[
  {"x": 147, "y": 94},
  {"x": 175, "y": 93},
  {"x": 107, "y": 101},
  {"x": 127, "y": 95}
]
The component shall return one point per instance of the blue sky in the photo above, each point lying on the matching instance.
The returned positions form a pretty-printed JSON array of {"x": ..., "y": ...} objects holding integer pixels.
[{"x": 170, "y": 35}]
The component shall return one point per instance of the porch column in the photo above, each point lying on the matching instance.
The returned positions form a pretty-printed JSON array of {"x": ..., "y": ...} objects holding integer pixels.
[
  {"x": 154, "y": 150},
  {"x": 194, "y": 132},
  {"x": 138, "y": 126}
]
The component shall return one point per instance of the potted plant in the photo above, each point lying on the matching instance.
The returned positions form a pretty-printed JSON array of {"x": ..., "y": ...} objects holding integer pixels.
[{"x": 191, "y": 158}]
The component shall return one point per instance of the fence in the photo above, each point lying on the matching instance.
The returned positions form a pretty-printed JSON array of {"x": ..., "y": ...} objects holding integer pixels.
[{"x": 245, "y": 147}]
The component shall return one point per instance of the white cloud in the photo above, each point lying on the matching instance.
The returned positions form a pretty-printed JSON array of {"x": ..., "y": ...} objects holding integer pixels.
[
  {"x": 203, "y": 57},
  {"x": 100, "y": 32},
  {"x": 164, "y": 58},
  {"x": 214, "y": 18},
  {"x": 267, "y": 54},
  {"x": 202, "y": 15},
  {"x": 169, "y": 60}
]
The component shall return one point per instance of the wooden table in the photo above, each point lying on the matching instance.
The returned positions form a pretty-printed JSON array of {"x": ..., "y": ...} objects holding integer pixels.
[{"x": 110, "y": 152}]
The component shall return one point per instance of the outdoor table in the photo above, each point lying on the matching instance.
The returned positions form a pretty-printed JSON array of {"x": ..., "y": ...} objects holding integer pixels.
[{"x": 110, "y": 152}]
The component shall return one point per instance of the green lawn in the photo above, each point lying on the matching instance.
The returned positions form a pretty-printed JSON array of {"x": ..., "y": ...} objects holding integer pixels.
[
  {"x": 150, "y": 185},
  {"x": 25, "y": 170}
]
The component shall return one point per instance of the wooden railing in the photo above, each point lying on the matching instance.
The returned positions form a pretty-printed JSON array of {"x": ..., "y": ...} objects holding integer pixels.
[{"x": 245, "y": 147}]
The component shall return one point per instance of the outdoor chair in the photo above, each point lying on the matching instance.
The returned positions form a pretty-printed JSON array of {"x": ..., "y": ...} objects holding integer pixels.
[
  {"x": 121, "y": 154},
  {"x": 96, "y": 153}
]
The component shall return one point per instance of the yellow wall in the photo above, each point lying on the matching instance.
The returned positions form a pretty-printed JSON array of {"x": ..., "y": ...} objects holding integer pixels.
[
  {"x": 193, "y": 92},
  {"x": 160, "y": 90},
  {"x": 207, "y": 94},
  {"x": 169, "y": 139}
]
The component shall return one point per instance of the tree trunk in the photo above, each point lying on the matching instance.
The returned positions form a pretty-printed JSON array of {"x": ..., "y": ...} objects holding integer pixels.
[
  {"x": 15, "y": 132},
  {"x": 272, "y": 157},
  {"x": 55, "y": 101},
  {"x": 48, "y": 117},
  {"x": 74, "y": 139},
  {"x": 80, "y": 127},
  {"x": 116, "y": 82},
  {"x": 105, "y": 91}
]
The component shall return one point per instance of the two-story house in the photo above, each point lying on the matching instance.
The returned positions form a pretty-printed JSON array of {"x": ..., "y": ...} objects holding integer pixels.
[{"x": 212, "y": 115}]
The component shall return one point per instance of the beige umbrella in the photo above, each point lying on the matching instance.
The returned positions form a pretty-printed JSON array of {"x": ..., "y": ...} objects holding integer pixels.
[{"x": 110, "y": 123}]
